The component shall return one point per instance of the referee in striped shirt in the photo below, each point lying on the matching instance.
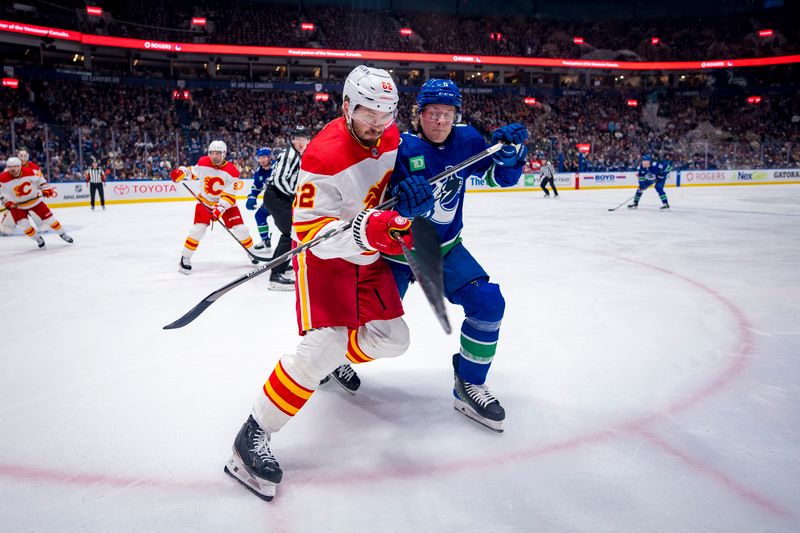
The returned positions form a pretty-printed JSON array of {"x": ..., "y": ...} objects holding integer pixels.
[
  {"x": 96, "y": 179},
  {"x": 278, "y": 198}
]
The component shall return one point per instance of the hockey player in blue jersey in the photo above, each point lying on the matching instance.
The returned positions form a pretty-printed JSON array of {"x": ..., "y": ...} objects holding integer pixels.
[
  {"x": 650, "y": 172},
  {"x": 260, "y": 177},
  {"x": 440, "y": 142}
]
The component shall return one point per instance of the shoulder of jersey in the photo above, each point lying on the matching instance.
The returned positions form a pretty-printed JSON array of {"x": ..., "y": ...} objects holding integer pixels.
[
  {"x": 231, "y": 169},
  {"x": 204, "y": 161},
  {"x": 5, "y": 177},
  {"x": 228, "y": 167},
  {"x": 333, "y": 149},
  {"x": 409, "y": 138},
  {"x": 465, "y": 131}
]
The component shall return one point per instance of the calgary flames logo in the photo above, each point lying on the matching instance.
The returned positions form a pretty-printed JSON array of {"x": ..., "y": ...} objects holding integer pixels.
[
  {"x": 376, "y": 191},
  {"x": 22, "y": 189},
  {"x": 210, "y": 185}
]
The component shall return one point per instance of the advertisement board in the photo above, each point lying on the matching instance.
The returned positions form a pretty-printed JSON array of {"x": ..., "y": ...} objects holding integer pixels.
[
  {"x": 123, "y": 192},
  {"x": 700, "y": 178},
  {"x": 128, "y": 192}
]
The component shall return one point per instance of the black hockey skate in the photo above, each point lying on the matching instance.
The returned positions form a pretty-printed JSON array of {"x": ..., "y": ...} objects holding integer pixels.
[
  {"x": 346, "y": 377},
  {"x": 634, "y": 205},
  {"x": 185, "y": 266},
  {"x": 477, "y": 402},
  {"x": 664, "y": 206},
  {"x": 264, "y": 247},
  {"x": 279, "y": 282},
  {"x": 66, "y": 238},
  {"x": 252, "y": 462},
  {"x": 40, "y": 241}
]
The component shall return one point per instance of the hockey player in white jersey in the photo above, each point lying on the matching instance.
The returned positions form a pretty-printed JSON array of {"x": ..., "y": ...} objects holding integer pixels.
[{"x": 347, "y": 299}]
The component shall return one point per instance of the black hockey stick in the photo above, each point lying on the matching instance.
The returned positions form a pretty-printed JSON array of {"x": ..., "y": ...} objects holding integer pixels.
[
  {"x": 253, "y": 256},
  {"x": 206, "y": 302},
  {"x": 426, "y": 265},
  {"x": 623, "y": 203}
]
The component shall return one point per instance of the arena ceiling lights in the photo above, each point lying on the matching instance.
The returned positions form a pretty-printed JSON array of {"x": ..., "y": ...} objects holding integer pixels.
[{"x": 374, "y": 55}]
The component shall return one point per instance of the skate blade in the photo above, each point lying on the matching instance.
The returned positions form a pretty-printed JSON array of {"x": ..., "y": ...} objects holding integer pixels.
[
  {"x": 261, "y": 488},
  {"x": 184, "y": 271},
  {"x": 465, "y": 409},
  {"x": 280, "y": 287}
]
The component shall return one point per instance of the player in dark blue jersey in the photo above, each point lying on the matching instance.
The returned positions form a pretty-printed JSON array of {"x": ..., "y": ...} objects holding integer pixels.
[
  {"x": 440, "y": 142},
  {"x": 260, "y": 177},
  {"x": 650, "y": 172}
]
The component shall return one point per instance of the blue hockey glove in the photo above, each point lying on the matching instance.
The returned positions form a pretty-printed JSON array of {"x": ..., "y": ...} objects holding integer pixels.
[
  {"x": 512, "y": 133},
  {"x": 251, "y": 203},
  {"x": 414, "y": 196},
  {"x": 510, "y": 156}
]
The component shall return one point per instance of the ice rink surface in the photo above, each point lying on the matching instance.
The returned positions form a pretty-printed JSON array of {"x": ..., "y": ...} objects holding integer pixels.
[{"x": 649, "y": 364}]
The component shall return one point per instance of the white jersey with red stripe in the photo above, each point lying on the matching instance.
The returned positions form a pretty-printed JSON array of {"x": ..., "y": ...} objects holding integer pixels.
[
  {"x": 339, "y": 178},
  {"x": 24, "y": 190},
  {"x": 220, "y": 182}
]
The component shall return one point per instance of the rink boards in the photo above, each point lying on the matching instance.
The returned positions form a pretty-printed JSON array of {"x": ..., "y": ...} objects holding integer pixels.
[{"x": 118, "y": 192}]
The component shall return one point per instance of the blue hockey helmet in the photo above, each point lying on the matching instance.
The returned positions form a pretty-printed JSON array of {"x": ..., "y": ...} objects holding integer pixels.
[
  {"x": 437, "y": 91},
  {"x": 647, "y": 157},
  {"x": 264, "y": 151}
]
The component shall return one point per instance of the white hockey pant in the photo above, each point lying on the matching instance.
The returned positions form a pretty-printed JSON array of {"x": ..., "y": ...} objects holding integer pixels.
[{"x": 297, "y": 375}]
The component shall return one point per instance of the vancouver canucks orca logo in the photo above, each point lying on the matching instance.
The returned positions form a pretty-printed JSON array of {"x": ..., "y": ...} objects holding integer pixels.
[{"x": 448, "y": 194}]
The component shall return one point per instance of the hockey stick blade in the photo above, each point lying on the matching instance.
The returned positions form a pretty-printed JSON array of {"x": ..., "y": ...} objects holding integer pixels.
[
  {"x": 253, "y": 256},
  {"x": 206, "y": 302},
  {"x": 620, "y": 205},
  {"x": 211, "y": 298},
  {"x": 426, "y": 265}
]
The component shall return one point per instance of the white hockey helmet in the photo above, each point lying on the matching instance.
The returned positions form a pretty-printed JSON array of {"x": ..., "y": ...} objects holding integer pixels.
[
  {"x": 218, "y": 146},
  {"x": 371, "y": 87},
  {"x": 13, "y": 162}
]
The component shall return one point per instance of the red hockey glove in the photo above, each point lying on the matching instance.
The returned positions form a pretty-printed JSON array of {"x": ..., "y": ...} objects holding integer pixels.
[
  {"x": 372, "y": 230},
  {"x": 216, "y": 212},
  {"x": 179, "y": 174},
  {"x": 49, "y": 192},
  {"x": 8, "y": 204}
]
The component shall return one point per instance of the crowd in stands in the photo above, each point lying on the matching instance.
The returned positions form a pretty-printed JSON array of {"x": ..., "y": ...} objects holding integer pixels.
[
  {"x": 342, "y": 27},
  {"x": 141, "y": 133}
]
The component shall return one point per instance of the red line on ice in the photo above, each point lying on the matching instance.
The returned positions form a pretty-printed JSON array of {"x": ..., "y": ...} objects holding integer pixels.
[{"x": 638, "y": 426}]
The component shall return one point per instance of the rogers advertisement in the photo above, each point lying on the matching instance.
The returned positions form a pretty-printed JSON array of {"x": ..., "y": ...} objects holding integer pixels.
[
  {"x": 123, "y": 192},
  {"x": 269, "y": 51}
]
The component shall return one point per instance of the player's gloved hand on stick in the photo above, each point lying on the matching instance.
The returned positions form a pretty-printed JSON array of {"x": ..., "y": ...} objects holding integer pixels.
[
  {"x": 216, "y": 212},
  {"x": 49, "y": 192},
  {"x": 8, "y": 204},
  {"x": 414, "y": 196},
  {"x": 179, "y": 174},
  {"x": 251, "y": 203},
  {"x": 515, "y": 133},
  {"x": 511, "y": 156},
  {"x": 372, "y": 230}
]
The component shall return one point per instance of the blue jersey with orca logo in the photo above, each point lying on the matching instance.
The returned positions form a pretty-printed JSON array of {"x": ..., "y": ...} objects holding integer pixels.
[{"x": 418, "y": 156}]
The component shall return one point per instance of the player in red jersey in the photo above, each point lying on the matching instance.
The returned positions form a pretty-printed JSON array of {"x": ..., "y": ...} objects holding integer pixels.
[
  {"x": 348, "y": 306},
  {"x": 27, "y": 163},
  {"x": 217, "y": 200},
  {"x": 22, "y": 191}
]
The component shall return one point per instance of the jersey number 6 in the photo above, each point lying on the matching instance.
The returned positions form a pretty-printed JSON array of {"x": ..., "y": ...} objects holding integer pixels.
[{"x": 305, "y": 196}]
